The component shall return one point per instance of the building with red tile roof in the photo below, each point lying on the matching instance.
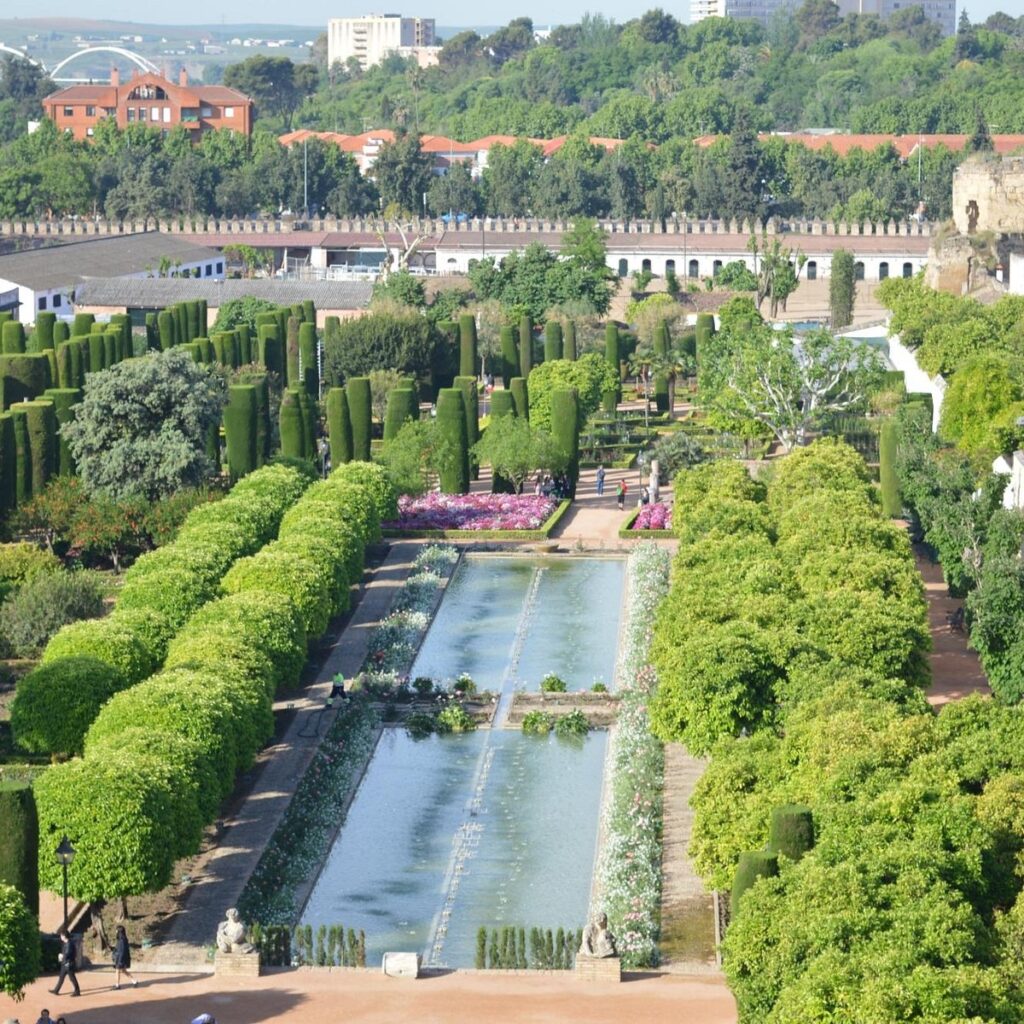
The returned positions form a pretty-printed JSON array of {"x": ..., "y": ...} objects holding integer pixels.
[{"x": 842, "y": 144}]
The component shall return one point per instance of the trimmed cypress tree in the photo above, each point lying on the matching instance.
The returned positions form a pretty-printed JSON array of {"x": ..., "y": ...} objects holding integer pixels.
[
  {"x": 569, "y": 341},
  {"x": 705, "y": 331},
  {"x": 509, "y": 354},
  {"x": 82, "y": 324},
  {"x": 752, "y": 865},
  {"x": 292, "y": 351},
  {"x": 502, "y": 405},
  {"x": 471, "y": 402},
  {"x": 79, "y": 350},
  {"x": 61, "y": 332},
  {"x": 8, "y": 463},
  {"x": 244, "y": 344},
  {"x": 152, "y": 333},
  {"x": 339, "y": 426},
  {"x": 281, "y": 314},
  {"x": 111, "y": 348},
  {"x": 552, "y": 341},
  {"x": 193, "y": 329},
  {"x": 525, "y": 345},
  {"x": 332, "y": 330},
  {"x": 309, "y": 422},
  {"x": 520, "y": 397},
  {"x": 165, "y": 329},
  {"x": 892, "y": 500},
  {"x": 308, "y": 365},
  {"x": 688, "y": 342},
  {"x": 271, "y": 349},
  {"x": 791, "y": 831},
  {"x": 96, "y": 350},
  {"x": 451, "y": 423},
  {"x": 181, "y": 335},
  {"x": 19, "y": 841},
  {"x": 467, "y": 345},
  {"x": 565, "y": 429},
  {"x": 13, "y": 335},
  {"x": 64, "y": 402},
  {"x": 204, "y": 316},
  {"x": 44, "y": 330},
  {"x": 360, "y": 411},
  {"x": 309, "y": 311},
  {"x": 206, "y": 348},
  {"x": 401, "y": 403},
  {"x": 293, "y": 434},
  {"x": 23, "y": 377},
  {"x": 39, "y": 443},
  {"x": 240, "y": 430},
  {"x": 610, "y": 399},
  {"x": 661, "y": 342},
  {"x": 264, "y": 435},
  {"x": 65, "y": 378},
  {"x": 23, "y": 460},
  {"x": 51, "y": 358},
  {"x": 123, "y": 323}
]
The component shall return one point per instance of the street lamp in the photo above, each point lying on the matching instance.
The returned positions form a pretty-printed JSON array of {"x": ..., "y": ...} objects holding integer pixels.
[{"x": 65, "y": 855}]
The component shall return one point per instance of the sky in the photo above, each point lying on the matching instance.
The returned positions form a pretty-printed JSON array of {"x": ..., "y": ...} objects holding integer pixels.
[{"x": 444, "y": 12}]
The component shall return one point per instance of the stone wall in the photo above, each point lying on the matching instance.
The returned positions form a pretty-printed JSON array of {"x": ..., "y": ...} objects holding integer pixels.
[{"x": 988, "y": 195}]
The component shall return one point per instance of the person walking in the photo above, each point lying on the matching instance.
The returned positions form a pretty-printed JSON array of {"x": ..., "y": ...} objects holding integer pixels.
[
  {"x": 600, "y": 480},
  {"x": 66, "y": 959},
  {"x": 620, "y": 494},
  {"x": 122, "y": 957}
]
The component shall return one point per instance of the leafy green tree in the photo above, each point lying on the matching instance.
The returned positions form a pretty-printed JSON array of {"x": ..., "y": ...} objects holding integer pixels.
[
  {"x": 142, "y": 427},
  {"x": 19, "y": 943},
  {"x": 276, "y": 85},
  {"x": 515, "y": 449},
  {"x": 454, "y": 192},
  {"x": 404, "y": 173},
  {"x": 841, "y": 289},
  {"x": 237, "y": 312},
  {"x": 510, "y": 177},
  {"x": 400, "y": 341},
  {"x": 590, "y": 376},
  {"x": 983, "y": 387}
]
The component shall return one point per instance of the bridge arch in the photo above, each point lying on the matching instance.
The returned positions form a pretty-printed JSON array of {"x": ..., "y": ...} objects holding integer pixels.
[
  {"x": 140, "y": 62},
  {"x": 19, "y": 53}
]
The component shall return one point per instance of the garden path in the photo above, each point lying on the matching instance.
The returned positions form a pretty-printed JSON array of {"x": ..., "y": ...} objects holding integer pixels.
[
  {"x": 219, "y": 873},
  {"x": 956, "y": 670},
  {"x": 367, "y": 997}
]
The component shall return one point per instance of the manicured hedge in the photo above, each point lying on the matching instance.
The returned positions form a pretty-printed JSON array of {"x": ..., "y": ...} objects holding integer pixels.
[
  {"x": 44, "y": 330},
  {"x": 402, "y": 407},
  {"x": 339, "y": 426},
  {"x": 240, "y": 430},
  {"x": 23, "y": 377},
  {"x": 552, "y": 341},
  {"x": 107, "y": 640},
  {"x": 565, "y": 429},
  {"x": 360, "y": 413},
  {"x": 271, "y": 349},
  {"x": 64, "y": 400},
  {"x": 12, "y": 335},
  {"x": 569, "y": 341},
  {"x": 451, "y": 423},
  {"x": 292, "y": 351},
  {"x": 612, "y": 350},
  {"x": 294, "y": 436},
  {"x": 19, "y": 841}
]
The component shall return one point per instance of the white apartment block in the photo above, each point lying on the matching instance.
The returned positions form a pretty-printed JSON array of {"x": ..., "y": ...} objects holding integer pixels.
[
  {"x": 760, "y": 10},
  {"x": 371, "y": 38},
  {"x": 943, "y": 12}
]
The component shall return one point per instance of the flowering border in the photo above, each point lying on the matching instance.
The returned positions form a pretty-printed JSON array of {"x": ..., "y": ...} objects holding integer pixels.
[
  {"x": 630, "y": 532},
  {"x": 541, "y": 533},
  {"x": 629, "y": 866},
  {"x": 317, "y": 810}
]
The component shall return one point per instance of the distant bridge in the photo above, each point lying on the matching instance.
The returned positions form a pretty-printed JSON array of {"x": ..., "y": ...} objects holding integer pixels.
[{"x": 142, "y": 63}]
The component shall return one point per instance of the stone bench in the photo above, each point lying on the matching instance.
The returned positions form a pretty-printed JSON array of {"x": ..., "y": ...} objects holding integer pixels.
[
  {"x": 598, "y": 968},
  {"x": 401, "y": 965},
  {"x": 236, "y": 965}
]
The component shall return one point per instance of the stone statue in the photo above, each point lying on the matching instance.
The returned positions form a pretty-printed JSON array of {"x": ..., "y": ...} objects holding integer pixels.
[
  {"x": 597, "y": 940},
  {"x": 231, "y": 934},
  {"x": 973, "y": 213}
]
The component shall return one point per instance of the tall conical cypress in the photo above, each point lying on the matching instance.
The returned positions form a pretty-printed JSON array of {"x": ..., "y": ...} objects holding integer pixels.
[
  {"x": 467, "y": 345},
  {"x": 44, "y": 330},
  {"x": 552, "y": 341},
  {"x": 451, "y": 424},
  {"x": 525, "y": 345},
  {"x": 8, "y": 463},
  {"x": 292, "y": 351},
  {"x": 271, "y": 350},
  {"x": 704, "y": 333},
  {"x": 360, "y": 411},
  {"x": 471, "y": 403},
  {"x": 520, "y": 397},
  {"x": 339, "y": 426},
  {"x": 244, "y": 344},
  {"x": 264, "y": 431},
  {"x": 502, "y": 405},
  {"x": 569, "y": 341},
  {"x": 565, "y": 429},
  {"x": 165, "y": 329},
  {"x": 13, "y": 336},
  {"x": 509, "y": 354},
  {"x": 308, "y": 362},
  {"x": 610, "y": 399},
  {"x": 240, "y": 430},
  {"x": 293, "y": 433},
  {"x": 400, "y": 410}
]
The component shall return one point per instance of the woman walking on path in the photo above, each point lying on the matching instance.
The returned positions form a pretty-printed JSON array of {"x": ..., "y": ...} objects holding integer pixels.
[{"x": 122, "y": 957}]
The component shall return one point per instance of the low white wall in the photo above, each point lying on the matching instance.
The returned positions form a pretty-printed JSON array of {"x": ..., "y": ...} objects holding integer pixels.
[{"x": 917, "y": 380}]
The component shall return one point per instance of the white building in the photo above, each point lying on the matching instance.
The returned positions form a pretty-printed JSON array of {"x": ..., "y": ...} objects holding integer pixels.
[
  {"x": 942, "y": 12},
  {"x": 759, "y": 10},
  {"x": 371, "y": 38}
]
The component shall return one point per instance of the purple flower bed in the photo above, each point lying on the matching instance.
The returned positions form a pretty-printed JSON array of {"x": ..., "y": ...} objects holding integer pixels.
[
  {"x": 472, "y": 512},
  {"x": 654, "y": 517}
]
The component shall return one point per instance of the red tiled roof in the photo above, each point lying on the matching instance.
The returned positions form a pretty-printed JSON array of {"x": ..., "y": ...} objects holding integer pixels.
[
  {"x": 842, "y": 144},
  {"x": 102, "y": 95}
]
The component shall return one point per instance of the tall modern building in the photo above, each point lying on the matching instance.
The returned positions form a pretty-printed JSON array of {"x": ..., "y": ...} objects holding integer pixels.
[
  {"x": 760, "y": 10},
  {"x": 371, "y": 38},
  {"x": 942, "y": 12}
]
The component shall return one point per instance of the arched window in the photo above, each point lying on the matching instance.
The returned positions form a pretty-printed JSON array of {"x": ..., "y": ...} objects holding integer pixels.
[
  {"x": 693, "y": 269},
  {"x": 883, "y": 271},
  {"x": 670, "y": 267},
  {"x": 858, "y": 271},
  {"x": 812, "y": 270},
  {"x": 646, "y": 266},
  {"x": 623, "y": 267},
  {"x": 715, "y": 268},
  {"x": 908, "y": 269}
]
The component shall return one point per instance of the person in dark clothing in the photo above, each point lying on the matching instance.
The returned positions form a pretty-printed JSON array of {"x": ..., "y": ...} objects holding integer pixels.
[
  {"x": 66, "y": 959},
  {"x": 122, "y": 957}
]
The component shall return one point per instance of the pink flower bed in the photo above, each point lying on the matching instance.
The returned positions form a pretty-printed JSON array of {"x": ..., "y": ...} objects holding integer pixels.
[
  {"x": 472, "y": 512},
  {"x": 653, "y": 517}
]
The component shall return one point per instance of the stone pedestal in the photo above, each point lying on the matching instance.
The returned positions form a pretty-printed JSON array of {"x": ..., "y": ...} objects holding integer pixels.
[
  {"x": 236, "y": 965},
  {"x": 598, "y": 968},
  {"x": 401, "y": 965}
]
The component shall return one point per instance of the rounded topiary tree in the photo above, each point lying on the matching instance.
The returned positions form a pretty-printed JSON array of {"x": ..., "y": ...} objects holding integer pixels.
[
  {"x": 19, "y": 841},
  {"x": 467, "y": 345},
  {"x": 360, "y": 410},
  {"x": 451, "y": 426},
  {"x": 565, "y": 429},
  {"x": 892, "y": 500},
  {"x": 240, "y": 430},
  {"x": 109, "y": 641},
  {"x": 752, "y": 866},
  {"x": 509, "y": 354},
  {"x": 552, "y": 341},
  {"x": 791, "y": 830},
  {"x": 56, "y": 703},
  {"x": 19, "y": 942},
  {"x": 339, "y": 427}
]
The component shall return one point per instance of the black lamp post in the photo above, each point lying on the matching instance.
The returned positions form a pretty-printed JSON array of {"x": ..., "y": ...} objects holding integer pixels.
[{"x": 65, "y": 855}]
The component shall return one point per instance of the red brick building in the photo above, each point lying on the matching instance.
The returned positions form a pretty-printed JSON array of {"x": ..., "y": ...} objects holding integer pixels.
[{"x": 152, "y": 100}]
